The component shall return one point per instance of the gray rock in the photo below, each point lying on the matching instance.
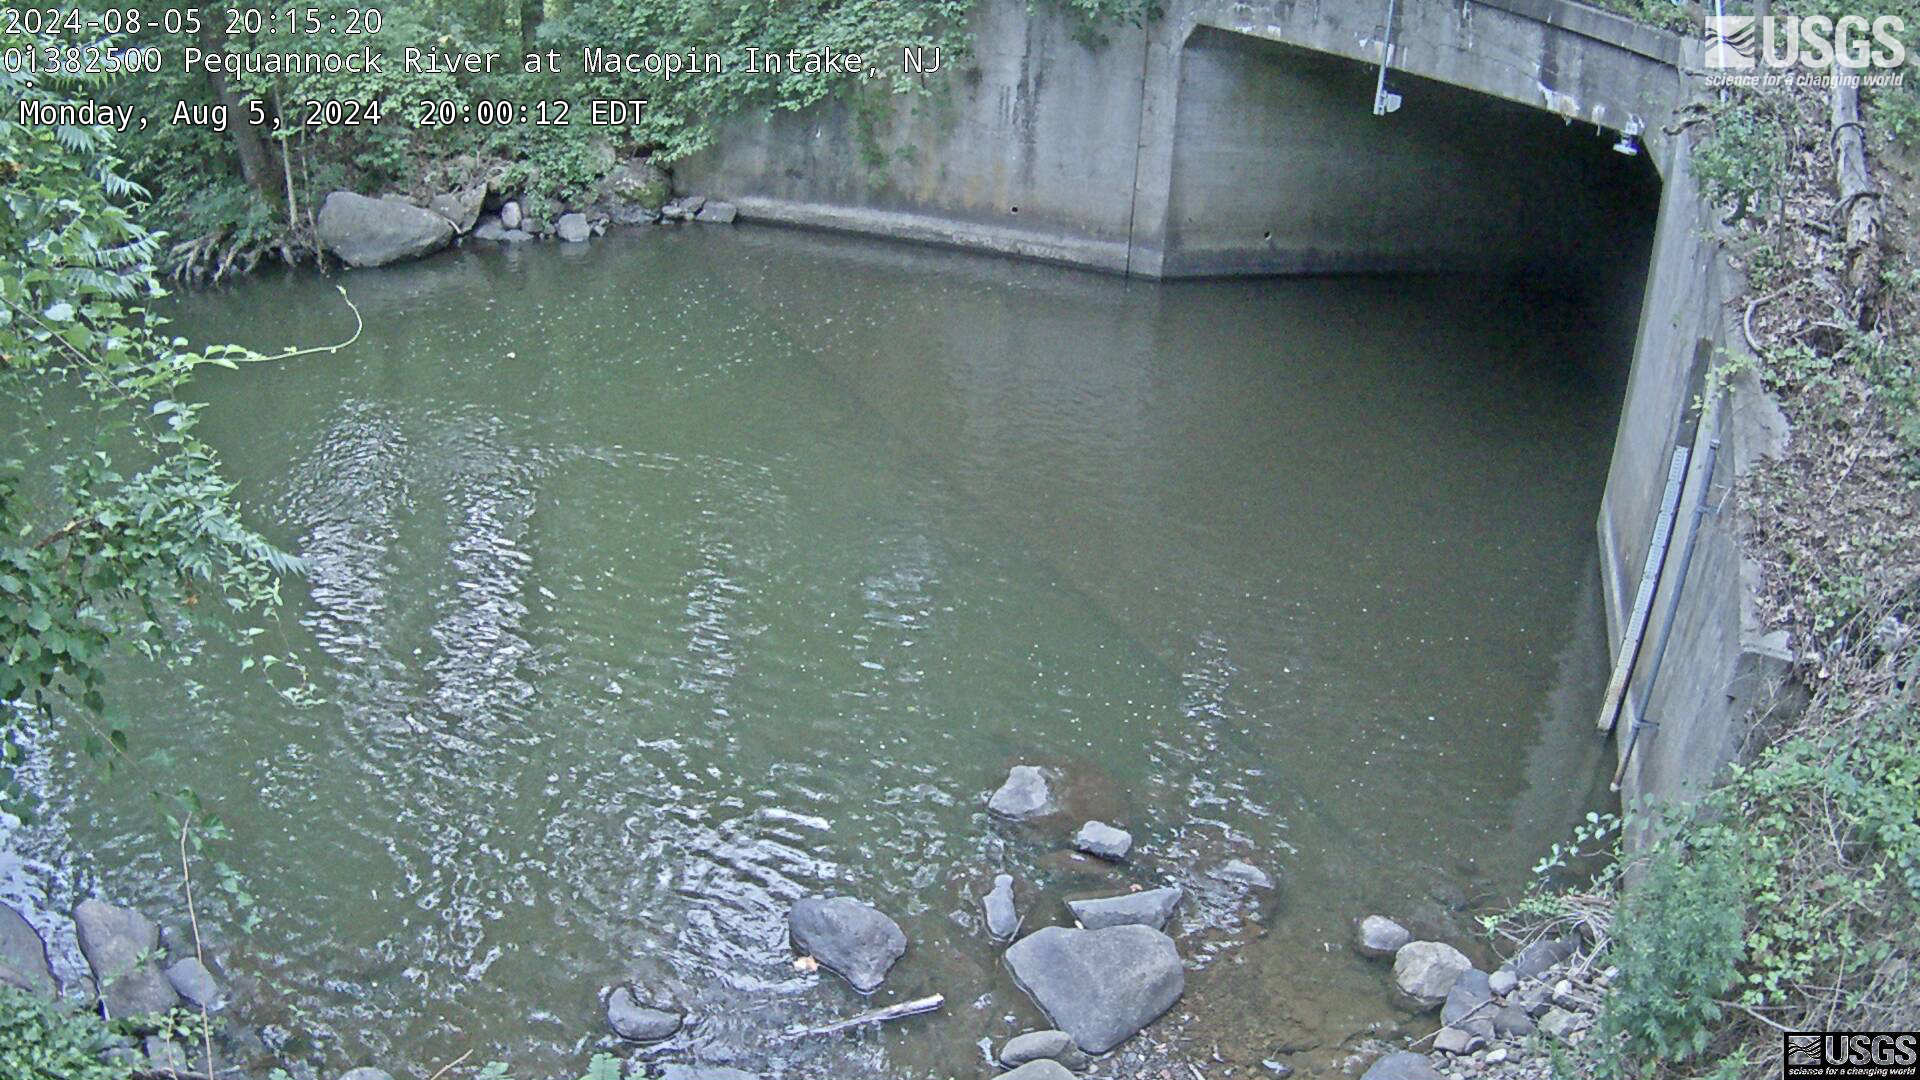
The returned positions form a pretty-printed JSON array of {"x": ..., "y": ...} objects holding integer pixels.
[
  {"x": 1241, "y": 872},
  {"x": 1538, "y": 958},
  {"x": 366, "y": 1072},
  {"x": 375, "y": 232},
  {"x": 639, "y": 184},
  {"x": 1469, "y": 1005},
  {"x": 1102, "y": 839},
  {"x": 674, "y": 212},
  {"x": 510, "y": 216},
  {"x": 1424, "y": 971},
  {"x": 23, "y": 956},
  {"x": 1405, "y": 1065},
  {"x": 1503, "y": 982},
  {"x": 1379, "y": 937},
  {"x": 704, "y": 1072},
  {"x": 717, "y": 213},
  {"x": 636, "y": 1022},
  {"x": 460, "y": 208},
  {"x": 1037, "y": 1046},
  {"x": 164, "y": 1056},
  {"x": 1043, "y": 1069},
  {"x": 1150, "y": 908},
  {"x": 1024, "y": 795},
  {"x": 1003, "y": 919},
  {"x": 849, "y": 937},
  {"x": 1560, "y": 1023},
  {"x": 120, "y": 946},
  {"x": 573, "y": 228},
  {"x": 192, "y": 981},
  {"x": 689, "y": 205},
  {"x": 1452, "y": 1040},
  {"x": 1512, "y": 1021},
  {"x": 1099, "y": 986}
]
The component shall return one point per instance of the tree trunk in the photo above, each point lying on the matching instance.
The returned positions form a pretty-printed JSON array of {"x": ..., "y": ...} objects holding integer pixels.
[{"x": 256, "y": 165}]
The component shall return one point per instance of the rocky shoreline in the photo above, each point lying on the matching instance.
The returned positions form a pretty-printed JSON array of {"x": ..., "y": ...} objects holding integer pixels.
[{"x": 484, "y": 205}]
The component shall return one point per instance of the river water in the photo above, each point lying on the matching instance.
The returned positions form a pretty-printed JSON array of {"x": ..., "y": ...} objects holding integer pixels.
[{"x": 659, "y": 582}]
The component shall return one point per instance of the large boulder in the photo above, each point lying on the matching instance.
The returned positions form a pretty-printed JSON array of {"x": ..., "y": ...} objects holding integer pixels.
[
  {"x": 1150, "y": 908},
  {"x": 1101, "y": 839},
  {"x": 1025, "y": 794},
  {"x": 637, "y": 1022},
  {"x": 1003, "y": 919},
  {"x": 1424, "y": 971},
  {"x": 1405, "y": 1065},
  {"x": 375, "y": 232},
  {"x": 23, "y": 956},
  {"x": 460, "y": 208},
  {"x": 849, "y": 937},
  {"x": 1099, "y": 986},
  {"x": 120, "y": 946},
  {"x": 636, "y": 183}
]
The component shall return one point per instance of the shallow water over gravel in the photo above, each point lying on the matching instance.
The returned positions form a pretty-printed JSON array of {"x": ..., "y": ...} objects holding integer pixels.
[{"x": 659, "y": 582}]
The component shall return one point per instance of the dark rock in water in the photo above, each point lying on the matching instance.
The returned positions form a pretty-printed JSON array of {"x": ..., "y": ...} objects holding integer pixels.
[
  {"x": 192, "y": 981},
  {"x": 1469, "y": 1005},
  {"x": 848, "y": 937},
  {"x": 1102, "y": 839},
  {"x": 717, "y": 213},
  {"x": 1003, "y": 919},
  {"x": 1512, "y": 1021},
  {"x": 375, "y": 232},
  {"x": 1379, "y": 937},
  {"x": 704, "y": 1072},
  {"x": 1099, "y": 986},
  {"x": 119, "y": 945},
  {"x": 1024, "y": 795},
  {"x": 1538, "y": 958},
  {"x": 1037, "y": 1046},
  {"x": 636, "y": 1022},
  {"x": 1043, "y": 1069},
  {"x": 1241, "y": 872},
  {"x": 23, "y": 956},
  {"x": 1405, "y": 1065},
  {"x": 573, "y": 228},
  {"x": 1150, "y": 908},
  {"x": 460, "y": 208},
  {"x": 1424, "y": 972}
]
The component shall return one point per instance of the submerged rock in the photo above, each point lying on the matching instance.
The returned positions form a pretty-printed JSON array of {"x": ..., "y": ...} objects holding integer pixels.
[
  {"x": 1241, "y": 872},
  {"x": 1424, "y": 971},
  {"x": 1099, "y": 986},
  {"x": 23, "y": 956},
  {"x": 1003, "y": 919},
  {"x": 120, "y": 945},
  {"x": 850, "y": 938},
  {"x": 636, "y": 1022},
  {"x": 1379, "y": 937},
  {"x": 1102, "y": 839},
  {"x": 192, "y": 981},
  {"x": 1025, "y": 794},
  {"x": 1150, "y": 908},
  {"x": 375, "y": 232}
]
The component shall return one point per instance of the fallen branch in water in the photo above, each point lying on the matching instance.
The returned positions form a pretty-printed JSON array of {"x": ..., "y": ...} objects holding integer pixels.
[{"x": 874, "y": 1016}]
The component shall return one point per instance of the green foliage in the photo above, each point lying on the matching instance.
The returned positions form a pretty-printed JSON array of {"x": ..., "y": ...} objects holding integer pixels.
[
  {"x": 116, "y": 524},
  {"x": 1740, "y": 162},
  {"x": 43, "y": 1040}
]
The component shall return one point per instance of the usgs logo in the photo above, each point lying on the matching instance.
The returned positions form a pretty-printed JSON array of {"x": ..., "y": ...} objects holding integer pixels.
[
  {"x": 1877, "y": 1054},
  {"x": 1743, "y": 42}
]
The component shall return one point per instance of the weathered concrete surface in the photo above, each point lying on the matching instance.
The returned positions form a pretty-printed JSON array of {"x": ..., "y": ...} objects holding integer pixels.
[{"x": 1227, "y": 138}]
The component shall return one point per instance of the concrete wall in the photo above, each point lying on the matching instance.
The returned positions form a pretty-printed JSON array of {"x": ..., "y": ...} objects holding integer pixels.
[{"x": 1236, "y": 136}]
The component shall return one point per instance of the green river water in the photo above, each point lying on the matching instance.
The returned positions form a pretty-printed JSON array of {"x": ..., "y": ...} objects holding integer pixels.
[{"x": 659, "y": 582}]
